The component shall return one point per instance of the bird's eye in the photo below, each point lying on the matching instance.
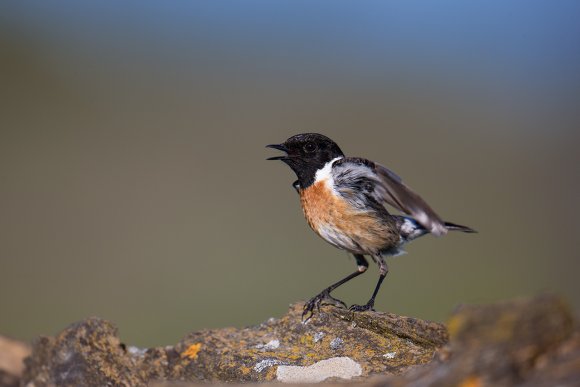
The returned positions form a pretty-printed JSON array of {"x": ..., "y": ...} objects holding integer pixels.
[{"x": 309, "y": 147}]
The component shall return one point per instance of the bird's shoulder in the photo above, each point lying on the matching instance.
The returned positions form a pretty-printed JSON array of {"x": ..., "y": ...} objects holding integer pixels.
[
  {"x": 360, "y": 162},
  {"x": 348, "y": 170},
  {"x": 356, "y": 180}
]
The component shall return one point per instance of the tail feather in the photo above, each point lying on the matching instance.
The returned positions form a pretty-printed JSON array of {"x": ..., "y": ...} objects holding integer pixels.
[
  {"x": 411, "y": 229},
  {"x": 457, "y": 227}
]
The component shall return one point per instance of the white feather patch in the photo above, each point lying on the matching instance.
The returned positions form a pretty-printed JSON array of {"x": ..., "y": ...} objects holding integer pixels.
[
  {"x": 325, "y": 173},
  {"x": 408, "y": 226}
]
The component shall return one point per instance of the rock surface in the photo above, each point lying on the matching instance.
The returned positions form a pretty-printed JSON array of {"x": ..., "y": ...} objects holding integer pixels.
[
  {"x": 524, "y": 342},
  {"x": 12, "y": 354},
  {"x": 90, "y": 352}
]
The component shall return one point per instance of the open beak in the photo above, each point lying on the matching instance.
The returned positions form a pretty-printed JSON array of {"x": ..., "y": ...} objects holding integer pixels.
[{"x": 281, "y": 147}]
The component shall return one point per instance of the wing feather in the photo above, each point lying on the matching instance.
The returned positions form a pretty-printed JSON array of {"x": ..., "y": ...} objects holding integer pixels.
[
  {"x": 403, "y": 198},
  {"x": 351, "y": 175}
]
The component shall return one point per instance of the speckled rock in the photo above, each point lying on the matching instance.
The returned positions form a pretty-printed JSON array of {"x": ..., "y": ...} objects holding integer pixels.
[
  {"x": 87, "y": 353},
  {"x": 509, "y": 343},
  {"x": 531, "y": 342},
  {"x": 90, "y": 353},
  {"x": 244, "y": 354}
]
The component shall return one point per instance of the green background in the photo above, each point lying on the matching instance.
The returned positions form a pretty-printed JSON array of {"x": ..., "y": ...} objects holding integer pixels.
[{"x": 133, "y": 180}]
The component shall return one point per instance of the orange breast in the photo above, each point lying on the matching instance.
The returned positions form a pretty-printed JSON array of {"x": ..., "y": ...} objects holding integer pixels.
[{"x": 326, "y": 211}]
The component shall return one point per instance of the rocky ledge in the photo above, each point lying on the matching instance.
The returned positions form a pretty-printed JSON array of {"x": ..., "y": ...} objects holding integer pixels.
[{"x": 531, "y": 342}]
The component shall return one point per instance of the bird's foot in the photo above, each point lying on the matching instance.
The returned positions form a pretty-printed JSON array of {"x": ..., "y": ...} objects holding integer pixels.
[
  {"x": 324, "y": 298},
  {"x": 363, "y": 308}
]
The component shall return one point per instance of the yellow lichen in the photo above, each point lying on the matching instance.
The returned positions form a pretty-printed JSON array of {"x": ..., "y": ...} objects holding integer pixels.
[
  {"x": 306, "y": 341},
  {"x": 455, "y": 324},
  {"x": 192, "y": 351},
  {"x": 504, "y": 327}
]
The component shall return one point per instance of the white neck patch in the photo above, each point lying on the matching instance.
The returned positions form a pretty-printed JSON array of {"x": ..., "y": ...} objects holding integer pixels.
[{"x": 325, "y": 173}]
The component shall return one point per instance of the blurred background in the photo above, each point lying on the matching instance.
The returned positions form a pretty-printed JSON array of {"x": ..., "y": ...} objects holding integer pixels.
[{"x": 133, "y": 179}]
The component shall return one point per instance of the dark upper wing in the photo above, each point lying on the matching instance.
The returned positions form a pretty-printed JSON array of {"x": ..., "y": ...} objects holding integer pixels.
[{"x": 363, "y": 176}]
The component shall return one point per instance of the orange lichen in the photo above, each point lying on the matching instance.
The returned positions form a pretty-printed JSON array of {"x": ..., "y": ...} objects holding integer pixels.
[
  {"x": 471, "y": 381},
  {"x": 192, "y": 351}
]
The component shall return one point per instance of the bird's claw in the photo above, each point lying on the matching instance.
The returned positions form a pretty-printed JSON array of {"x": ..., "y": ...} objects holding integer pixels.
[
  {"x": 363, "y": 308},
  {"x": 314, "y": 303}
]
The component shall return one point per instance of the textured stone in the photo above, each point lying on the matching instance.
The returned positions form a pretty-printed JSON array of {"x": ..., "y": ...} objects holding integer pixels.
[
  {"x": 507, "y": 343},
  {"x": 12, "y": 354},
  {"x": 335, "y": 367},
  {"x": 90, "y": 352},
  {"x": 87, "y": 353},
  {"x": 242, "y": 355},
  {"x": 531, "y": 342}
]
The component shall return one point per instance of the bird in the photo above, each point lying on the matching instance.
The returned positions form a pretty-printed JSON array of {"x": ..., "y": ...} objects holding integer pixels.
[{"x": 345, "y": 201}]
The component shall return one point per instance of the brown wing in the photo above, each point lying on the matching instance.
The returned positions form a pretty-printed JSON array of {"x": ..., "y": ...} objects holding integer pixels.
[{"x": 397, "y": 194}]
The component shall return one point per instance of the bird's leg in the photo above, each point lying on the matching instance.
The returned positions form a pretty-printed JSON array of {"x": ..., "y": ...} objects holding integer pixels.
[
  {"x": 383, "y": 270},
  {"x": 314, "y": 302}
]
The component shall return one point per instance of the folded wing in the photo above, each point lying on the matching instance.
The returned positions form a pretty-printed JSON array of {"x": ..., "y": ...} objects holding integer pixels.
[
  {"x": 366, "y": 177},
  {"x": 397, "y": 194}
]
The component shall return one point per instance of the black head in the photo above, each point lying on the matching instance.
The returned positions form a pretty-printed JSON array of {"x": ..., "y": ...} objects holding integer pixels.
[{"x": 307, "y": 153}]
